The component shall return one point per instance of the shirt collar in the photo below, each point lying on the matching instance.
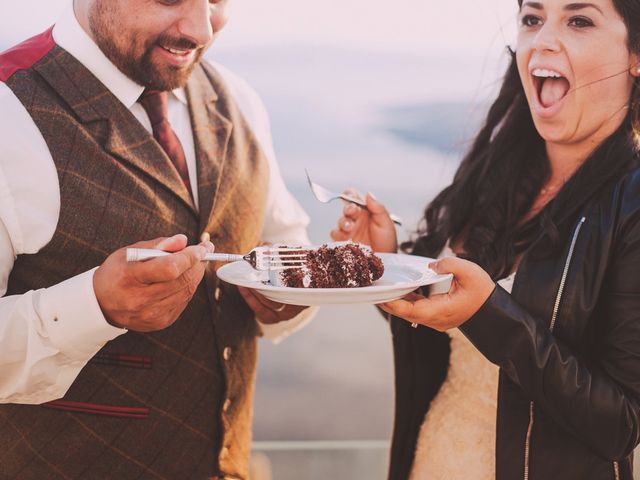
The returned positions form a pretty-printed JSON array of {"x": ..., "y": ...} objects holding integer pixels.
[
  {"x": 181, "y": 95},
  {"x": 69, "y": 35}
]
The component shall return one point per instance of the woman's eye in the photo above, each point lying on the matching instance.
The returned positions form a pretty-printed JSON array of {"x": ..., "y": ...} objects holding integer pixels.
[
  {"x": 580, "y": 22},
  {"x": 530, "y": 21}
]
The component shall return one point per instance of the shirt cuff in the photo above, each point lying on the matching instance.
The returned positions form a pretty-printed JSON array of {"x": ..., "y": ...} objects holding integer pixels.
[
  {"x": 72, "y": 319},
  {"x": 276, "y": 332}
]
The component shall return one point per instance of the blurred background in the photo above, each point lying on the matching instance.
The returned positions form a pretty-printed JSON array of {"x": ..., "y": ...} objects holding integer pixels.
[{"x": 383, "y": 96}]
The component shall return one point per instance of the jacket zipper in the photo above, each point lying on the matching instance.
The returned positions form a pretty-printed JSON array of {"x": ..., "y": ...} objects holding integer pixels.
[{"x": 554, "y": 317}]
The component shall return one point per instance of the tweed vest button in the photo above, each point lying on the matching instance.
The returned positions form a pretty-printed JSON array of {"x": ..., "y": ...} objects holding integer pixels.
[{"x": 226, "y": 353}]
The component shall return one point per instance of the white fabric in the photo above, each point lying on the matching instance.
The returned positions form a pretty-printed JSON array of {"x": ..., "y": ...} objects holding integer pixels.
[
  {"x": 457, "y": 438},
  {"x": 47, "y": 336}
]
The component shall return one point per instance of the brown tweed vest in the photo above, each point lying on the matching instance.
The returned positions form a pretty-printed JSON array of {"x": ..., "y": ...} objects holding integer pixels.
[{"x": 174, "y": 404}]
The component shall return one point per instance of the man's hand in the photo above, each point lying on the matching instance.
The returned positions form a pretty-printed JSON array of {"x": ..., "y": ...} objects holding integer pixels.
[
  {"x": 149, "y": 296},
  {"x": 266, "y": 311}
]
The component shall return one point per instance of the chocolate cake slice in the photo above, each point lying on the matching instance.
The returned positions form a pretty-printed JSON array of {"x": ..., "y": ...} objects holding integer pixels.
[{"x": 338, "y": 265}]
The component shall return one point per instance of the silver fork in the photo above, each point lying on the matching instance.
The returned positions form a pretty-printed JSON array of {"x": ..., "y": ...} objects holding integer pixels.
[
  {"x": 260, "y": 258},
  {"x": 325, "y": 195}
]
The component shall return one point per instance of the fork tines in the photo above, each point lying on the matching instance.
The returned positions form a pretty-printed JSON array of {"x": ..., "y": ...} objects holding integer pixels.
[{"x": 282, "y": 258}]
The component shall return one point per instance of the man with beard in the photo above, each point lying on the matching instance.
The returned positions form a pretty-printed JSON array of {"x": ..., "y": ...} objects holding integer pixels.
[{"x": 114, "y": 131}]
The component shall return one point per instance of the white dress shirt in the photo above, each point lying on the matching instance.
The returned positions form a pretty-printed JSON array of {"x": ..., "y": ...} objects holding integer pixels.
[{"x": 47, "y": 336}]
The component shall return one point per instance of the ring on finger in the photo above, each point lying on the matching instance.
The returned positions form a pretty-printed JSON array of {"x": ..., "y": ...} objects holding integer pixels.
[{"x": 280, "y": 308}]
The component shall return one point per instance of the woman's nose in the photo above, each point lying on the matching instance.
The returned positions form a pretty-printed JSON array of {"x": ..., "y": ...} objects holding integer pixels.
[{"x": 547, "y": 39}]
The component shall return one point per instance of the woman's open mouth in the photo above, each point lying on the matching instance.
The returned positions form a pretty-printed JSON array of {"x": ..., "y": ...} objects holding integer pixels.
[{"x": 551, "y": 88}]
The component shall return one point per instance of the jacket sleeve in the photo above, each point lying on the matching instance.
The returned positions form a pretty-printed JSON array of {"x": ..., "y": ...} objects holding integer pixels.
[{"x": 594, "y": 395}]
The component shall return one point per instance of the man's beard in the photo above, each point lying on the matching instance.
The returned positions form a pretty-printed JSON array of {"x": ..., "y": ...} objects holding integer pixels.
[{"x": 141, "y": 68}]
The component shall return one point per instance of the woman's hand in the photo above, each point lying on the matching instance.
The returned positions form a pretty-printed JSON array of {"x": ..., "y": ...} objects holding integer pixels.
[
  {"x": 470, "y": 289},
  {"x": 371, "y": 226}
]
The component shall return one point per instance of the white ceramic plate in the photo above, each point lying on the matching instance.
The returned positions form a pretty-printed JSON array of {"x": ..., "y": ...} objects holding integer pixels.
[{"x": 402, "y": 275}]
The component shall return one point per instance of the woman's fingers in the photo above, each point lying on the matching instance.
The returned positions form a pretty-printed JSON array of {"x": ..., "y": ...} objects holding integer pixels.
[
  {"x": 466, "y": 275},
  {"x": 343, "y": 231},
  {"x": 370, "y": 225},
  {"x": 416, "y": 309},
  {"x": 377, "y": 210},
  {"x": 470, "y": 288},
  {"x": 352, "y": 211},
  {"x": 337, "y": 235},
  {"x": 354, "y": 193},
  {"x": 347, "y": 224},
  {"x": 440, "y": 312}
]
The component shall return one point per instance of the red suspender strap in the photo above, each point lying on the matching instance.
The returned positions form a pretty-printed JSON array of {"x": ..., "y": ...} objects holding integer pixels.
[{"x": 25, "y": 55}]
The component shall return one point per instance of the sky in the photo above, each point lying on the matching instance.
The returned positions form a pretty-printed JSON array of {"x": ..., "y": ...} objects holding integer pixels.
[{"x": 431, "y": 26}]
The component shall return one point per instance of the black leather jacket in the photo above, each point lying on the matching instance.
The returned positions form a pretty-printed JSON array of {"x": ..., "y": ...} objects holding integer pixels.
[{"x": 567, "y": 341}]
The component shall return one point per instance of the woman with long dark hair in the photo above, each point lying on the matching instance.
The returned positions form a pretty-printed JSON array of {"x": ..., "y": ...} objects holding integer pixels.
[{"x": 529, "y": 367}]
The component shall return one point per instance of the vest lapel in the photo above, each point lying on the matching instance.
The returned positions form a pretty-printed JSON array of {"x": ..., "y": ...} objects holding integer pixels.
[
  {"x": 212, "y": 132},
  {"x": 121, "y": 134}
]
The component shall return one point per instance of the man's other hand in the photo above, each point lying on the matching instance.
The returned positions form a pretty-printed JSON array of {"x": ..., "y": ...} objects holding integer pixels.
[
  {"x": 267, "y": 311},
  {"x": 149, "y": 296}
]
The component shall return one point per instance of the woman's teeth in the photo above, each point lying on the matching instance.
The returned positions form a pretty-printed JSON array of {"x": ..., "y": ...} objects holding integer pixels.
[{"x": 542, "y": 73}]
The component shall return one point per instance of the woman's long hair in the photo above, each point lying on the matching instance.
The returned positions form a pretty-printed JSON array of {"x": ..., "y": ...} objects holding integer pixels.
[{"x": 501, "y": 176}]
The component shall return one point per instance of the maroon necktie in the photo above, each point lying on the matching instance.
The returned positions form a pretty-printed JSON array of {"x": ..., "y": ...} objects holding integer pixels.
[{"x": 156, "y": 104}]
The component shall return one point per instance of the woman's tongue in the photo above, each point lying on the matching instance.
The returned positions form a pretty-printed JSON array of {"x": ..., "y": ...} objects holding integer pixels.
[{"x": 553, "y": 90}]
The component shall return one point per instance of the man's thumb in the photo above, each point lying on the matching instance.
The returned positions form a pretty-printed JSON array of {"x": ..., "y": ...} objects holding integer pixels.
[
  {"x": 168, "y": 244},
  {"x": 172, "y": 244}
]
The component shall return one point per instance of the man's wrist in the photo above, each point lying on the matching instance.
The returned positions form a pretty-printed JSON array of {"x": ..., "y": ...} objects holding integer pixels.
[{"x": 75, "y": 327}]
